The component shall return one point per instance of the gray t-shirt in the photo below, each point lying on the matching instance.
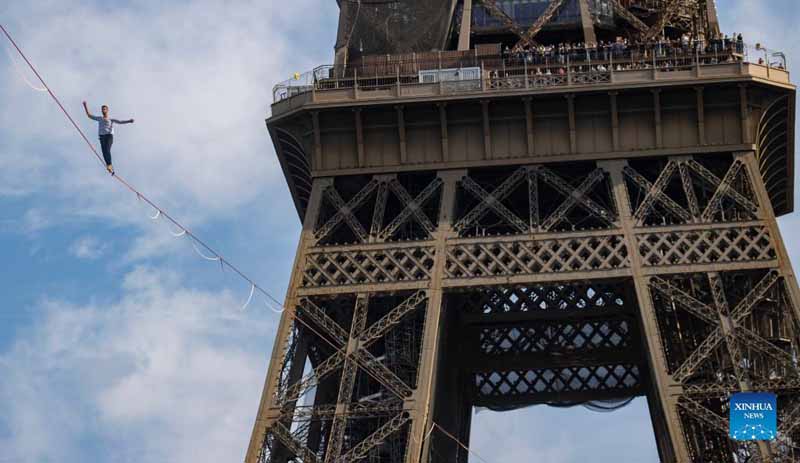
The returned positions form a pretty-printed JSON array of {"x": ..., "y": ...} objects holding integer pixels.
[{"x": 106, "y": 126}]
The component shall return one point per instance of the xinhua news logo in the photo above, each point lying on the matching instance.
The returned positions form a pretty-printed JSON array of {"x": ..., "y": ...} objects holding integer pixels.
[{"x": 754, "y": 416}]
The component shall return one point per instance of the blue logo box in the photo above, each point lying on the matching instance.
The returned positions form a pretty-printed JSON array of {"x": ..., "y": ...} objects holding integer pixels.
[{"x": 754, "y": 416}]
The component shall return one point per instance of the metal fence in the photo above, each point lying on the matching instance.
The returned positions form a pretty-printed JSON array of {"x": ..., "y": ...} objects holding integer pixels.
[{"x": 530, "y": 69}]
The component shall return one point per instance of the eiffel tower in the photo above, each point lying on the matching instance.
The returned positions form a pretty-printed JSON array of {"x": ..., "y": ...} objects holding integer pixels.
[{"x": 491, "y": 219}]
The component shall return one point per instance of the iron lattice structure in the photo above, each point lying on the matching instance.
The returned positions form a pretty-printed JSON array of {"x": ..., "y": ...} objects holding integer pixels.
[
  {"x": 369, "y": 27},
  {"x": 582, "y": 239}
]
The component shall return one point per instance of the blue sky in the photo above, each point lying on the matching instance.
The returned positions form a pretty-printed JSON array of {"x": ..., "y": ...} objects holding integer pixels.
[{"x": 118, "y": 343}]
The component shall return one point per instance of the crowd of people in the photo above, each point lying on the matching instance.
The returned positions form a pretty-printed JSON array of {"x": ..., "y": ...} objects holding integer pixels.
[
  {"x": 622, "y": 55},
  {"x": 549, "y": 63},
  {"x": 623, "y": 49}
]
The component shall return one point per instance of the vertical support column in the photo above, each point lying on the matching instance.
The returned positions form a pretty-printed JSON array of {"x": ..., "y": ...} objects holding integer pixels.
[
  {"x": 268, "y": 411},
  {"x": 466, "y": 26},
  {"x": 767, "y": 214},
  {"x": 317, "y": 140},
  {"x": 422, "y": 400},
  {"x": 701, "y": 116},
  {"x": 673, "y": 448},
  {"x": 487, "y": 130},
  {"x": 401, "y": 129},
  {"x": 657, "y": 118},
  {"x": 711, "y": 20},
  {"x": 745, "y": 114},
  {"x": 573, "y": 131},
  {"x": 586, "y": 22},
  {"x": 614, "y": 121},
  {"x": 359, "y": 137},
  {"x": 443, "y": 124},
  {"x": 529, "y": 125}
]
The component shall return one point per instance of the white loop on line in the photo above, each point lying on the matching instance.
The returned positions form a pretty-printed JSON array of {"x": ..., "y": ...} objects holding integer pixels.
[
  {"x": 194, "y": 245},
  {"x": 428, "y": 434},
  {"x": 158, "y": 214},
  {"x": 21, "y": 72},
  {"x": 249, "y": 298},
  {"x": 266, "y": 303},
  {"x": 179, "y": 234}
]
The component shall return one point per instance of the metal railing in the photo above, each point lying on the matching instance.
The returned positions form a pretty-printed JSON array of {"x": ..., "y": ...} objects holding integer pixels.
[{"x": 531, "y": 69}]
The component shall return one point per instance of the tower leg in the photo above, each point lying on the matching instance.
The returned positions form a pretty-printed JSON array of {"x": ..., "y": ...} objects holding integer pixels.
[
  {"x": 423, "y": 399},
  {"x": 453, "y": 410},
  {"x": 768, "y": 215},
  {"x": 672, "y": 446},
  {"x": 268, "y": 411}
]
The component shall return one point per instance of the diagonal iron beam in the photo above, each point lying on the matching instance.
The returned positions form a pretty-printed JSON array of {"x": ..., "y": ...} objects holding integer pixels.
[
  {"x": 699, "y": 411},
  {"x": 655, "y": 193},
  {"x": 576, "y": 196},
  {"x": 413, "y": 207},
  {"x": 345, "y": 212},
  {"x": 495, "y": 10},
  {"x": 632, "y": 19},
  {"x": 741, "y": 311},
  {"x": 698, "y": 356},
  {"x": 363, "y": 359},
  {"x": 493, "y": 201},
  {"x": 730, "y": 175},
  {"x": 322, "y": 370},
  {"x": 688, "y": 189},
  {"x": 305, "y": 454},
  {"x": 667, "y": 12},
  {"x": 697, "y": 308},
  {"x": 361, "y": 450},
  {"x": 791, "y": 420},
  {"x": 724, "y": 188},
  {"x": 565, "y": 188},
  {"x": 378, "y": 329},
  {"x": 381, "y": 373},
  {"x": 756, "y": 342},
  {"x": 745, "y": 306},
  {"x": 547, "y": 16},
  {"x": 728, "y": 329},
  {"x": 323, "y": 320}
]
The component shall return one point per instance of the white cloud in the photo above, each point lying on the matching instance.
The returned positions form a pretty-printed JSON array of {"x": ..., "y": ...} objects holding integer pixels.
[
  {"x": 34, "y": 220},
  {"x": 87, "y": 247},
  {"x": 166, "y": 373}
]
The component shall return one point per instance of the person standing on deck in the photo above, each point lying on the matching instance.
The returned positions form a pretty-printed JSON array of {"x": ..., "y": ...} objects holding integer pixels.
[{"x": 105, "y": 130}]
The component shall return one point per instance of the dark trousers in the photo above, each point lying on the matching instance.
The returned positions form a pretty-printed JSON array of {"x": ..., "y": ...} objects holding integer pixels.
[{"x": 105, "y": 144}]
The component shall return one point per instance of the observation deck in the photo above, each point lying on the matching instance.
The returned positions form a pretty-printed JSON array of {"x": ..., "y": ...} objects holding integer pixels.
[
  {"x": 452, "y": 73},
  {"x": 394, "y": 113}
]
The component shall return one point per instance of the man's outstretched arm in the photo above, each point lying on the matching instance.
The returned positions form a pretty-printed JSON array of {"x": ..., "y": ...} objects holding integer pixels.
[
  {"x": 86, "y": 108},
  {"x": 129, "y": 121}
]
